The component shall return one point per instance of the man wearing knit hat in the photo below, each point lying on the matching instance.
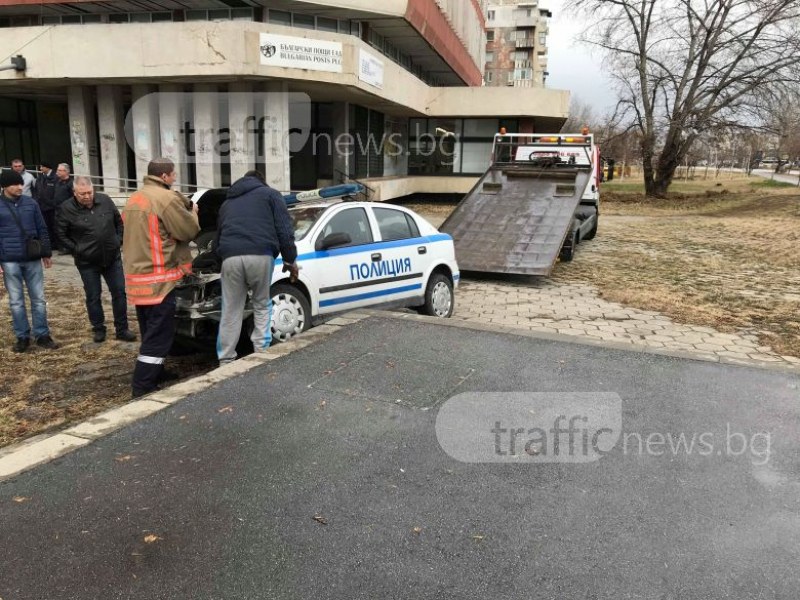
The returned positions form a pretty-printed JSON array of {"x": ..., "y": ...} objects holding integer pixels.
[{"x": 21, "y": 222}]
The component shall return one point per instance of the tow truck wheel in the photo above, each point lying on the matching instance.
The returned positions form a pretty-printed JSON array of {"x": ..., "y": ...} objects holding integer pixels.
[
  {"x": 291, "y": 312},
  {"x": 593, "y": 230},
  {"x": 568, "y": 249},
  {"x": 439, "y": 296}
]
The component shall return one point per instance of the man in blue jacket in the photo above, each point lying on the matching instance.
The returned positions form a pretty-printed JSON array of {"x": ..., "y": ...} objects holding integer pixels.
[
  {"x": 253, "y": 227},
  {"x": 20, "y": 220}
]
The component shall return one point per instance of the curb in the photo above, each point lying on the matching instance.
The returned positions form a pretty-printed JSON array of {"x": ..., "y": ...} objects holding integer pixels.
[
  {"x": 784, "y": 368},
  {"x": 47, "y": 447}
]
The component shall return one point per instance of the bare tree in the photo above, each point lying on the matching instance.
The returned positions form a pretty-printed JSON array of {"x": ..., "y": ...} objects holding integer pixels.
[
  {"x": 580, "y": 115},
  {"x": 685, "y": 67}
]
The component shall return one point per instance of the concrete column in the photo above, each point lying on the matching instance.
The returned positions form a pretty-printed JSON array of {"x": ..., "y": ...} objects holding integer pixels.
[
  {"x": 113, "y": 146},
  {"x": 145, "y": 127},
  {"x": 342, "y": 150},
  {"x": 173, "y": 125},
  {"x": 241, "y": 122},
  {"x": 276, "y": 136},
  {"x": 83, "y": 130},
  {"x": 206, "y": 136}
]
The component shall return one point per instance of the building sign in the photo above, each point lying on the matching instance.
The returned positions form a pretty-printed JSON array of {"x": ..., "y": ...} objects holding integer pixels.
[
  {"x": 300, "y": 53},
  {"x": 370, "y": 69}
]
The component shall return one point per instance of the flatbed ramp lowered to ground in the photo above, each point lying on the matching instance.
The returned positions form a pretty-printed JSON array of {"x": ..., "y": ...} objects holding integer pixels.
[{"x": 515, "y": 220}]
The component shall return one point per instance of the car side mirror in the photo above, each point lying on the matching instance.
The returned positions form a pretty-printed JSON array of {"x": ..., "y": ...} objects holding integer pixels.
[{"x": 333, "y": 240}]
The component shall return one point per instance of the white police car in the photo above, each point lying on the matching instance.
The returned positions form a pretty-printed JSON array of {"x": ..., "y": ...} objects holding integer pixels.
[{"x": 350, "y": 254}]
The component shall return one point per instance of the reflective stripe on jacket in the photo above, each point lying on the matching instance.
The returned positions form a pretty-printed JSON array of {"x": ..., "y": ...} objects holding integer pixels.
[{"x": 159, "y": 224}]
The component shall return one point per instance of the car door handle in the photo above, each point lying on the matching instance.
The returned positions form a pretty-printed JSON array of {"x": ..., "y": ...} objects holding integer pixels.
[
  {"x": 422, "y": 250},
  {"x": 376, "y": 257}
]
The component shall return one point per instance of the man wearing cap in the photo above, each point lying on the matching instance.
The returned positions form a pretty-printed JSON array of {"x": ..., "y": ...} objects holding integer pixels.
[
  {"x": 20, "y": 221},
  {"x": 44, "y": 193}
]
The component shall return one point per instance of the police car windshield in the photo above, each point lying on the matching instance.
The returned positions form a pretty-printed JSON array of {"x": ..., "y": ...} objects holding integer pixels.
[{"x": 304, "y": 218}]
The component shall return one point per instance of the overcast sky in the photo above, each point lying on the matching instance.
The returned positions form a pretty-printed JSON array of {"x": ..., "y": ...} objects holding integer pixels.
[{"x": 574, "y": 66}]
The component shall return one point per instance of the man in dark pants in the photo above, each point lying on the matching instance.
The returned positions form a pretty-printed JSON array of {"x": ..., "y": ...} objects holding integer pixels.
[
  {"x": 90, "y": 228},
  {"x": 44, "y": 193},
  {"x": 63, "y": 191},
  {"x": 159, "y": 224}
]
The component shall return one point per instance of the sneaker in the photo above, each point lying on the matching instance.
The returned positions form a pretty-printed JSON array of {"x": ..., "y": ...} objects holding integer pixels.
[
  {"x": 46, "y": 342},
  {"x": 126, "y": 336},
  {"x": 99, "y": 336},
  {"x": 21, "y": 344}
]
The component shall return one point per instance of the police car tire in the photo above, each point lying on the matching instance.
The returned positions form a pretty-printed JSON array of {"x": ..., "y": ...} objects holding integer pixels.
[
  {"x": 297, "y": 295},
  {"x": 434, "y": 288}
]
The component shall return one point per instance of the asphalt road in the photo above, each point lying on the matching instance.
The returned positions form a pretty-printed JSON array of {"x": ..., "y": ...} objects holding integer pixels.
[
  {"x": 793, "y": 178},
  {"x": 216, "y": 498}
]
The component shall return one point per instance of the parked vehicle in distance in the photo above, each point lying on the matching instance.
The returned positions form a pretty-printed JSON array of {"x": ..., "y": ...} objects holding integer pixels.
[{"x": 351, "y": 255}]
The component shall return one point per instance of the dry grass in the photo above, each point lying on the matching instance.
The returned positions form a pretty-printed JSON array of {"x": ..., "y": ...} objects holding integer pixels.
[
  {"x": 43, "y": 390},
  {"x": 727, "y": 260}
]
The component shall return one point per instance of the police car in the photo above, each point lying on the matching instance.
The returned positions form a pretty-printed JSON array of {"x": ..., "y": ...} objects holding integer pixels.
[{"x": 350, "y": 254}]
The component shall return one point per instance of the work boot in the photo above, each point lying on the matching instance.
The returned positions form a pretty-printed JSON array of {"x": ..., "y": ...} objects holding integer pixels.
[
  {"x": 21, "y": 344},
  {"x": 99, "y": 336},
  {"x": 126, "y": 336},
  {"x": 46, "y": 342}
]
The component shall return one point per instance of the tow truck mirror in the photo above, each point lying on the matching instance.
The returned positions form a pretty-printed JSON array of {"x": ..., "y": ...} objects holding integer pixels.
[{"x": 333, "y": 240}]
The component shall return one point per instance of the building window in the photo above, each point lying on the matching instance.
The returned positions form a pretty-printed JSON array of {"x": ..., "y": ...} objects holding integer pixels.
[
  {"x": 489, "y": 76},
  {"x": 70, "y": 19},
  {"x": 490, "y": 35},
  {"x": 280, "y": 17},
  {"x": 161, "y": 17},
  {"x": 491, "y": 15},
  {"x": 324, "y": 24},
  {"x": 119, "y": 18},
  {"x": 303, "y": 21},
  {"x": 242, "y": 14},
  {"x": 542, "y": 39},
  {"x": 490, "y": 57}
]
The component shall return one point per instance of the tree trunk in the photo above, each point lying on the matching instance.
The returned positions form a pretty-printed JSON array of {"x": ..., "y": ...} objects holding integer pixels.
[
  {"x": 668, "y": 162},
  {"x": 647, "y": 168}
]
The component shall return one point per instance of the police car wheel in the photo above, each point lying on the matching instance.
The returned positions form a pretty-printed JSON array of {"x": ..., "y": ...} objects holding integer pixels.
[
  {"x": 439, "y": 296},
  {"x": 291, "y": 312}
]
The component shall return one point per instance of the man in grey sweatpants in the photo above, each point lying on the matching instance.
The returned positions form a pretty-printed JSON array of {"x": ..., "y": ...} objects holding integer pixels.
[{"x": 253, "y": 227}]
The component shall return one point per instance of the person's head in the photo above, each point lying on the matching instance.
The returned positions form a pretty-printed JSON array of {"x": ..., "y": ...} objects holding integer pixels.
[
  {"x": 18, "y": 165},
  {"x": 12, "y": 183},
  {"x": 163, "y": 169},
  {"x": 84, "y": 191},
  {"x": 503, "y": 131},
  {"x": 257, "y": 174},
  {"x": 45, "y": 167},
  {"x": 62, "y": 172}
]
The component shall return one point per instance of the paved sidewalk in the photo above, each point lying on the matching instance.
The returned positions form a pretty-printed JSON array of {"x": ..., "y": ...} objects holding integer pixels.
[{"x": 577, "y": 310}]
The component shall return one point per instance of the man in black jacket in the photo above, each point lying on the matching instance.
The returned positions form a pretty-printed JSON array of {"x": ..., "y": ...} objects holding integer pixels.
[
  {"x": 44, "y": 193},
  {"x": 90, "y": 228},
  {"x": 253, "y": 227}
]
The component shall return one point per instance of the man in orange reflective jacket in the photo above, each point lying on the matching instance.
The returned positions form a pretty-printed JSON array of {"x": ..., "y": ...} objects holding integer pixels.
[{"x": 159, "y": 224}]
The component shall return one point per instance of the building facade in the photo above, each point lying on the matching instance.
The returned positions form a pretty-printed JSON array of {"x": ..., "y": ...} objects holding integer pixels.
[
  {"x": 311, "y": 92},
  {"x": 516, "y": 43}
]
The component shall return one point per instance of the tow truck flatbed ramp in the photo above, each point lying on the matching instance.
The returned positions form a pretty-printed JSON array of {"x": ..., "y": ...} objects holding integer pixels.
[{"x": 515, "y": 220}]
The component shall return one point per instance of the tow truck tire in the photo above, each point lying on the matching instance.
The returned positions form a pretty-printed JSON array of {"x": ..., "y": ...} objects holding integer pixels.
[
  {"x": 593, "y": 231},
  {"x": 291, "y": 312},
  {"x": 439, "y": 298},
  {"x": 568, "y": 250}
]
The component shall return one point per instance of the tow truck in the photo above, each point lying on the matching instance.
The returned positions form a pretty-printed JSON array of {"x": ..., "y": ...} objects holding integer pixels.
[{"x": 537, "y": 201}]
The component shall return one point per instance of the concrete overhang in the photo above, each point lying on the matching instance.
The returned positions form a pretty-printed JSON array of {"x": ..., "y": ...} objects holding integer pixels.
[
  {"x": 417, "y": 28},
  {"x": 221, "y": 52}
]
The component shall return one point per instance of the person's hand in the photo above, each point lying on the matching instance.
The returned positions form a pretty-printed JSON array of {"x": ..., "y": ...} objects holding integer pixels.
[
  {"x": 47, "y": 262},
  {"x": 293, "y": 270}
]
